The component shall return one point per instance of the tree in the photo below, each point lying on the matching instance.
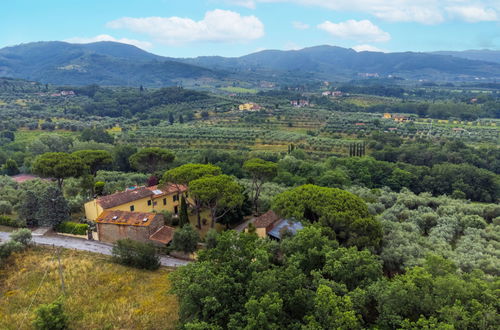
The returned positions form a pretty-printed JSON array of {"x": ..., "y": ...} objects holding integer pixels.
[
  {"x": 121, "y": 157},
  {"x": 95, "y": 160},
  {"x": 345, "y": 214},
  {"x": 51, "y": 317},
  {"x": 136, "y": 254},
  {"x": 5, "y": 207},
  {"x": 171, "y": 118},
  {"x": 183, "y": 214},
  {"x": 220, "y": 192},
  {"x": 150, "y": 160},
  {"x": 185, "y": 239},
  {"x": 58, "y": 165},
  {"x": 332, "y": 311},
  {"x": 28, "y": 208},
  {"x": 260, "y": 171},
  {"x": 97, "y": 135},
  {"x": 52, "y": 208},
  {"x": 352, "y": 267},
  {"x": 10, "y": 167},
  {"x": 183, "y": 175}
]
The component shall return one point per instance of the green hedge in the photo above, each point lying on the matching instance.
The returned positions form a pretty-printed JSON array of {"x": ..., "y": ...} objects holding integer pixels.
[
  {"x": 8, "y": 221},
  {"x": 74, "y": 228}
]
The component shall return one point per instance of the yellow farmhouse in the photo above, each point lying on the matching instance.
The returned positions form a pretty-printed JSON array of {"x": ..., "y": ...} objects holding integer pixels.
[{"x": 140, "y": 199}]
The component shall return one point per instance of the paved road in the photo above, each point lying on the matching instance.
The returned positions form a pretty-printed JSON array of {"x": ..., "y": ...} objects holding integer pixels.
[{"x": 91, "y": 246}]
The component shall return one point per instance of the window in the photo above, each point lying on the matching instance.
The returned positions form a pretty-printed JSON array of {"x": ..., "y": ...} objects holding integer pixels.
[
  {"x": 176, "y": 198},
  {"x": 176, "y": 210},
  {"x": 155, "y": 203},
  {"x": 149, "y": 203},
  {"x": 132, "y": 208},
  {"x": 164, "y": 201}
]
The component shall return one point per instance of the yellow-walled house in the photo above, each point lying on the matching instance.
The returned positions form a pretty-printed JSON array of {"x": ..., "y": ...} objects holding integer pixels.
[
  {"x": 140, "y": 199},
  {"x": 249, "y": 107}
]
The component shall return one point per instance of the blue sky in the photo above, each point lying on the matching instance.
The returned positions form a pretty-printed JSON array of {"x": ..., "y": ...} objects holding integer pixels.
[{"x": 187, "y": 28}]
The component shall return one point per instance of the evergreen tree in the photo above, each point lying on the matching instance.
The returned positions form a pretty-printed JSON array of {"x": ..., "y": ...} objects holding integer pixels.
[
  {"x": 28, "y": 209},
  {"x": 171, "y": 118},
  {"x": 53, "y": 208},
  {"x": 10, "y": 167},
  {"x": 181, "y": 119},
  {"x": 183, "y": 215}
]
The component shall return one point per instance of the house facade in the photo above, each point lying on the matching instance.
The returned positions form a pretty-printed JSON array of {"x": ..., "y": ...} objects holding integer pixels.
[{"x": 140, "y": 199}]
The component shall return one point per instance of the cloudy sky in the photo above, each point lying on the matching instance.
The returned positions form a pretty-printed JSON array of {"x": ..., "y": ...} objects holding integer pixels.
[{"x": 186, "y": 28}]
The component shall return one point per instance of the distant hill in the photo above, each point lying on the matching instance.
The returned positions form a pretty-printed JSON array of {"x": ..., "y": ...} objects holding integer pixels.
[
  {"x": 111, "y": 63},
  {"x": 477, "y": 55},
  {"x": 330, "y": 61},
  {"x": 104, "y": 63}
]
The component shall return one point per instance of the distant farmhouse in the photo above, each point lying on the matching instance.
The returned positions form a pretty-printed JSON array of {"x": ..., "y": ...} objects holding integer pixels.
[
  {"x": 250, "y": 107},
  {"x": 332, "y": 93},
  {"x": 299, "y": 103},
  {"x": 273, "y": 226}
]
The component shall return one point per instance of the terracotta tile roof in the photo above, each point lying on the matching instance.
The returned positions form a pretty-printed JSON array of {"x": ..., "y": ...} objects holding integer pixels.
[
  {"x": 266, "y": 219},
  {"x": 163, "y": 235},
  {"x": 167, "y": 189},
  {"x": 128, "y": 218},
  {"x": 124, "y": 197}
]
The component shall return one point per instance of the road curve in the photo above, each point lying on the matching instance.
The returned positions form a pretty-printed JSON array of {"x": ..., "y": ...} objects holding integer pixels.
[{"x": 90, "y": 246}]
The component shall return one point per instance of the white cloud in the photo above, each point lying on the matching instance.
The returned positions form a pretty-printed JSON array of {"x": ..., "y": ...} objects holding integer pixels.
[
  {"x": 217, "y": 26},
  {"x": 356, "y": 30},
  {"x": 300, "y": 26},
  {"x": 473, "y": 14},
  {"x": 367, "y": 48},
  {"x": 421, "y": 11},
  {"x": 106, "y": 37}
]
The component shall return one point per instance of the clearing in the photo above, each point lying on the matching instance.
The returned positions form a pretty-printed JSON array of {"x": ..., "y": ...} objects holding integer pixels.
[{"x": 100, "y": 294}]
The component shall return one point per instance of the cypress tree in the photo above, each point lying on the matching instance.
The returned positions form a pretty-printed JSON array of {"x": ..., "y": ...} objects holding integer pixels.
[{"x": 183, "y": 214}]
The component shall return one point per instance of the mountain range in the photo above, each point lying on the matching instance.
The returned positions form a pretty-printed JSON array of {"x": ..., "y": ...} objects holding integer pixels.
[{"x": 111, "y": 63}]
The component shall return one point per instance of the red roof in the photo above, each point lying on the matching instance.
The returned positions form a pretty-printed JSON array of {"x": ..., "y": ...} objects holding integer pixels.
[
  {"x": 163, "y": 235},
  {"x": 128, "y": 218},
  {"x": 266, "y": 219},
  {"x": 123, "y": 197}
]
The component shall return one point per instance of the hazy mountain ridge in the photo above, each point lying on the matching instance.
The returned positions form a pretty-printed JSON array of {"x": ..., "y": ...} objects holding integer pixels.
[
  {"x": 111, "y": 63},
  {"x": 477, "y": 55},
  {"x": 106, "y": 63}
]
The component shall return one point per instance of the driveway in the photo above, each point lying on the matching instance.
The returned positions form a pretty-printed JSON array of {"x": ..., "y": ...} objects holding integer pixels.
[{"x": 90, "y": 246}]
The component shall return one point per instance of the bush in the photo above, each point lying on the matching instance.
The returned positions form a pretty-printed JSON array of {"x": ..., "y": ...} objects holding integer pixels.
[
  {"x": 22, "y": 236},
  {"x": 8, "y": 221},
  {"x": 136, "y": 254},
  {"x": 74, "y": 228},
  {"x": 5, "y": 207},
  {"x": 185, "y": 239},
  {"x": 8, "y": 248},
  {"x": 51, "y": 317}
]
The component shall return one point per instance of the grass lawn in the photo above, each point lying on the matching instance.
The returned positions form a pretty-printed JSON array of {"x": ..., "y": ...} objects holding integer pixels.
[{"x": 100, "y": 294}]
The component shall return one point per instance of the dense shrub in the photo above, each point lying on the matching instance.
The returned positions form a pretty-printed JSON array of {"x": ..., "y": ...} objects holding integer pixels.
[
  {"x": 136, "y": 254},
  {"x": 8, "y": 221},
  {"x": 50, "y": 317},
  {"x": 185, "y": 239},
  {"x": 74, "y": 228}
]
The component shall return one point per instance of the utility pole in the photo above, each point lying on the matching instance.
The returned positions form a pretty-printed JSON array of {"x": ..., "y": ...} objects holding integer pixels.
[{"x": 61, "y": 271}]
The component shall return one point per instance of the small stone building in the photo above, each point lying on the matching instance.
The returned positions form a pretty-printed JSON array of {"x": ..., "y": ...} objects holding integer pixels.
[{"x": 138, "y": 226}]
